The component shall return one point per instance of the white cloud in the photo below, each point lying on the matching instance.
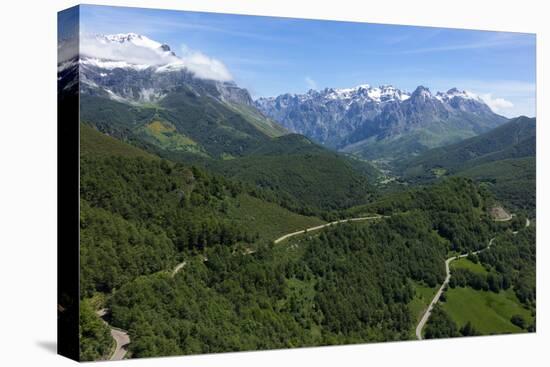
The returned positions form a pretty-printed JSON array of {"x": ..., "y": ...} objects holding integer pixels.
[
  {"x": 67, "y": 49},
  {"x": 312, "y": 84},
  {"x": 148, "y": 52},
  {"x": 204, "y": 66},
  {"x": 495, "y": 103}
]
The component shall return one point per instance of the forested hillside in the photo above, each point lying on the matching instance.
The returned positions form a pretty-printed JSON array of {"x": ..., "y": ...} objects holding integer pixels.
[
  {"x": 349, "y": 283},
  {"x": 346, "y": 284},
  {"x": 513, "y": 181},
  {"x": 455, "y": 207},
  {"x": 514, "y": 139},
  {"x": 503, "y": 159},
  {"x": 307, "y": 177},
  {"x": 234, "y": 142},
  {"x": 141, "y": 215},
  {"x": 138, "y": 214},
  {"x": 191, "y": 123}
]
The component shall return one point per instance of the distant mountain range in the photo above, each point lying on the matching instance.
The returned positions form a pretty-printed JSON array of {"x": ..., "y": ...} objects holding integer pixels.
[{"x": 382, "y": 122}]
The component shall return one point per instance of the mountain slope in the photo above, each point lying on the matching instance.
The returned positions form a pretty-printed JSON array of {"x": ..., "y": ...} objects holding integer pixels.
[
  {"x": 95, "y": 143},
  {"x": 299, "y": 174},
  {"x": 129, "y": 80},
  {"x": 352, "y": 282},
  {"x": 504, "y": 159},
  {"x": 302, "y": 174},
  {"x": 513, "y": 181},
  {"x": 139, "y": 213},
  {"x": 166, "y": 106},
  {"x": 191, "y": 123},
  {"x": 515, "y": 139},
  {"x": 382, "y": 122}
]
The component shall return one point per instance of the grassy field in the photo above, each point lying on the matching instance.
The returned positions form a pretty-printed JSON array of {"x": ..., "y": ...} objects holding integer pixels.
[
  {"x": 269, "y": 220},
  {"x": 163, "y": 131},
  {"x": 165, "y": 135},
  {"x": 489, "y": 312},
  {"x": 464, "y": 263}
]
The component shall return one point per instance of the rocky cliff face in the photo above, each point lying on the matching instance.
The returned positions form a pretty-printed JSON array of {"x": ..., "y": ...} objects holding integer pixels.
[
  {"x": 330, "y": 115},
  {"x": 149, "y": 85}
]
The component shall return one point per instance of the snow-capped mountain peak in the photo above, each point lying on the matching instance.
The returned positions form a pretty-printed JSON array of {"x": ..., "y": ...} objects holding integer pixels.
[
  {"x": 454, "y": 92},
  {"x": 422, "y": 92},
  {"x": 332, "y": 115},
  {"x": 136, "y": 52},
  {"x": 136, "y": 39},
  {"x": 362, "y": 92},
  {"x": 128, "y": 48},
  {"x": 134, "y": 68},
  {"x": 383, "y": 94}
]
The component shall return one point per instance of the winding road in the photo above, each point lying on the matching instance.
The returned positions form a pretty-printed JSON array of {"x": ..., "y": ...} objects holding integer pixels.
[
  {"x": 288, "y": 235},
  {"x": 122, "y": 340},
  {"x": 359, "y": 219},
  {"x": 121, "y": 337},
  {"x": 437, "y": 296}
]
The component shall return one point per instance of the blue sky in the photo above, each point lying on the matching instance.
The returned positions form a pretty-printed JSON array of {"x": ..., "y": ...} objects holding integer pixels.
[{"x": 270, "y": 56}]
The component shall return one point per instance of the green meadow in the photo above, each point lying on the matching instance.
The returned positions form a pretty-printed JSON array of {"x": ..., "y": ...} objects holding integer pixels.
[{"x": 489, "y": 312}]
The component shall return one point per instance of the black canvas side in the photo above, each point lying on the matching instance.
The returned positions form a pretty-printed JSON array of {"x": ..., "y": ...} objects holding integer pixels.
[{"x": 68, "y": 184}]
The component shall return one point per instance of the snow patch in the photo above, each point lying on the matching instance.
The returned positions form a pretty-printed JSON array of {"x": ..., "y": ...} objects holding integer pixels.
[
  {"x": 111, "y": 64},
  {"x": 115, "y": 96},
  {"x": 382, "y": 94},
  {"x": 136, "y": 39}
]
